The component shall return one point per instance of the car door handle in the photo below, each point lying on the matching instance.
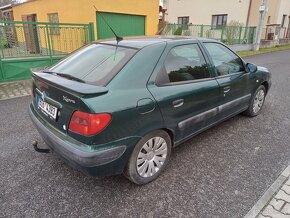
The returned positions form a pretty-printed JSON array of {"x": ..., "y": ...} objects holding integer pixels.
[
  {"x": 227, "y": 89},
  {"x": 178, "y": 103}
]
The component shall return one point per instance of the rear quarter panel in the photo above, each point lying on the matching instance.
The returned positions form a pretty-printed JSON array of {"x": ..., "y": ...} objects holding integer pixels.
[{"x": 129, "y": 86}]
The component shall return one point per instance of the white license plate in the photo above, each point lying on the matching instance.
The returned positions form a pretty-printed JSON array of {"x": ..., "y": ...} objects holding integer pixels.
[{"x": 46, "y": 108}]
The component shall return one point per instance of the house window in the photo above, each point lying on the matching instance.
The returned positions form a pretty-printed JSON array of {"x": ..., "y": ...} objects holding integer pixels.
[
  {"x": 53, "y": 18},
  {"x": 183, "y": 20},
  {"x": 219, "y": 20},
  {"x": 283, "y": 20}
]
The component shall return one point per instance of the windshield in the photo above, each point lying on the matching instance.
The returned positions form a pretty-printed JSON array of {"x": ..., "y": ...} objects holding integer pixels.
[{"x": 94, "y": 64}]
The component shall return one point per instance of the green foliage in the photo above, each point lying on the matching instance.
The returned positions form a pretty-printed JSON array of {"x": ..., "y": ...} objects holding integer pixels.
[
  {"x": 178, "y": 31},
  {"x": 3, "y": 42},
  {"x": 6, "y": 2},
  {"x": 232, "y": 32}
]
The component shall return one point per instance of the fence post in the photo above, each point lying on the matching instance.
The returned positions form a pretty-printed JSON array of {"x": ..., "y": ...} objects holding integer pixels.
[
  {"x": 173, "y": 29},
  {"x": 253, "y": 30},
  {"x": 240, "y": 35},
  {"x": 91, "y": 32},
  {"x": 201, "y": 31},
  {"x": 2, "y": 71},
  {"x": 222, "y": 33},
  {"x": 48, "y": 42}
]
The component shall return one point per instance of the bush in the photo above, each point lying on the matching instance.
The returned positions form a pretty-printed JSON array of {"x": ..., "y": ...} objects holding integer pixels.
[
  {"x": 178, "y": 31},
  {"x": 232, "y": 31},
  {"x": 3, "y": 42}
]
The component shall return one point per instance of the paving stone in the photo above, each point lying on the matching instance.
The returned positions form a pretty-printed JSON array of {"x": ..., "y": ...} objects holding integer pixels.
[
  {"x": 269, "y": 211},
  {"x": 283, "y": 196},
  {"x": 286, "y": 188},
  {"x": 15, "y": 89},
  {"x": 277, "y": 203},
  {"x": 262, "y": 216},
  {"x": 286, "y": 209},
  {"x": 288, "y": 182}
]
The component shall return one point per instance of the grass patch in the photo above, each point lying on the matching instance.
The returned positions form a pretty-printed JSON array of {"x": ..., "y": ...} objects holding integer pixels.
[{"x": 264, "y": 50}]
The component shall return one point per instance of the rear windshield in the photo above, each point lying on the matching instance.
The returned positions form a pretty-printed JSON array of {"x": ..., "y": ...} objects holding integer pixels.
[{"x": 95, "y": 64}]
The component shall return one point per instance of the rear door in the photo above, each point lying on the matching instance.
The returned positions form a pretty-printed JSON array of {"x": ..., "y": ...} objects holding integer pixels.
[
  {"x": 232, "y": 78},
  {"x": 186, "y": 92}
]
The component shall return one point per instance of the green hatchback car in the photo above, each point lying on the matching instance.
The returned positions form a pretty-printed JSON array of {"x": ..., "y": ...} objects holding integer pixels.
[{"x": 112, "y": 108}]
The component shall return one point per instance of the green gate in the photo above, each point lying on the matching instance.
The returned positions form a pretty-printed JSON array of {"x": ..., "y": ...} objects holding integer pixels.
[
  {"x": 123, "y": 25},
  {"x": 26, "y": 45}
]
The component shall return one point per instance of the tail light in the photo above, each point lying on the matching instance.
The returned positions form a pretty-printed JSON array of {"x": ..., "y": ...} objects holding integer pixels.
[{"x": 89, "y": 124}]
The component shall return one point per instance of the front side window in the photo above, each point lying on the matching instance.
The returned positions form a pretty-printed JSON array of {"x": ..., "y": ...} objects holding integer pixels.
[
  {"x": 95, "y": 64},
  {"x": 225, "y": 61},
  {"x": 218, "y": 21},
  {"x": 185, "y": 63}
]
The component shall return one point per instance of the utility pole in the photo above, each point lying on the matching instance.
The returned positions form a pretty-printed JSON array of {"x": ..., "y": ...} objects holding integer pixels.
[{"x": 263, "y": 10}]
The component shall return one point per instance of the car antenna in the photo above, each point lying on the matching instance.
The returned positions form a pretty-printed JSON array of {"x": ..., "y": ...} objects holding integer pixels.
[{"x": 118, "y": 38}]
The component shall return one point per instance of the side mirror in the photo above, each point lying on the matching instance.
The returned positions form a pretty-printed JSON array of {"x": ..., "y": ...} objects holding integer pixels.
[{"x": 251, "y": 68}]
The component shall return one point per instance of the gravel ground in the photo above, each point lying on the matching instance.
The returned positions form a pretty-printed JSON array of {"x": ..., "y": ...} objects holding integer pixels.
[{"x": 220, "y": 173}]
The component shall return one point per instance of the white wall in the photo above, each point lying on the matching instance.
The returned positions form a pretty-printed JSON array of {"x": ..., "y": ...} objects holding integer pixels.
[
  {"x": 201, "y": 11},
  {"x": 284, "y": 9}
]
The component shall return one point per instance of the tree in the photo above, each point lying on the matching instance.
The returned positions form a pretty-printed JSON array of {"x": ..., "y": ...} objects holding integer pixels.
[{"x": 6, "y": 2}]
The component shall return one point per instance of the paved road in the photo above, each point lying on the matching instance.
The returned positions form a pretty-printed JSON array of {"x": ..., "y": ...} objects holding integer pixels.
[{"x": 220, "y": 173}]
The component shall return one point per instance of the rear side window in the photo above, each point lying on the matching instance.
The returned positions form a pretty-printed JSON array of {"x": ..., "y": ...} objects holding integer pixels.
[
  {"x": 185, "y": 63},
  {"x": 225, "y": 61},
  {"x": 95, "y": 64}
]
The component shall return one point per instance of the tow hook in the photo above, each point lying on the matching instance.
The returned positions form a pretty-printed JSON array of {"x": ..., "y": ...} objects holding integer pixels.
[{"x": 41, "y": 150}]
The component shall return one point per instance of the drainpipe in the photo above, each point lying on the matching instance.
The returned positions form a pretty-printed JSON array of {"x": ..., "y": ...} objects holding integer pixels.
[
  {"x": 249, "y": 11},
  {"x": 248, "y": 18}
]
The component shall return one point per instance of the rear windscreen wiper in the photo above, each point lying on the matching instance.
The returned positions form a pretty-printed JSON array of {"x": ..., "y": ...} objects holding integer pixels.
[
  {"x": 68, "y": 76},
  {"x": 47, "y": 71}
]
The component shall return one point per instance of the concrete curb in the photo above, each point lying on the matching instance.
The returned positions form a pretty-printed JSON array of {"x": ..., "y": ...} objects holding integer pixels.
[{"x": 262, "y": 202}]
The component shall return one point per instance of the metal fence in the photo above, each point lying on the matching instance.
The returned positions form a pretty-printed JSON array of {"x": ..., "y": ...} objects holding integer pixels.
[
  {"x": 230, "y": 35},
  {"x": 34, "y": 39},
  {"x": 26, "y": 45},
  {"x": 275, "y": 33}
]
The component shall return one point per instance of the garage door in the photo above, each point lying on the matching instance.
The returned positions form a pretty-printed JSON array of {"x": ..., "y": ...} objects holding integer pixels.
[{"x": 123, "y": 25}]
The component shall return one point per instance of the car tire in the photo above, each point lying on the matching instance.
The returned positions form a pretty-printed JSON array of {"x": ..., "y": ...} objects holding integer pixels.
[
  {"x": 149, "y": 157},
  {"x": 257, "y": 102}
]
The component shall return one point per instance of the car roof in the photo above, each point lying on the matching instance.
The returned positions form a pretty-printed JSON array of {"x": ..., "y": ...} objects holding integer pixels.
[{"x": 140, "y": 42}]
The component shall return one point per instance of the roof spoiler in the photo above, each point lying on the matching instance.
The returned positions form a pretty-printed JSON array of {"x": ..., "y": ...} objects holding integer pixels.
[{"x": 74, "y": 86}]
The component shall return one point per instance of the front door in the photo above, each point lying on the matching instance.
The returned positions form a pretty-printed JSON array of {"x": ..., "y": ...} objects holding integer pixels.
[
  {"x": 30, "y": 34},
  {"x": 232, "y": 78},
  {"x": 186, "y": 93}
]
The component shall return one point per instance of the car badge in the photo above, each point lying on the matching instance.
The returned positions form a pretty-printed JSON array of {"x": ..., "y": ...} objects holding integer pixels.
[{"x": 68, "y": 100}]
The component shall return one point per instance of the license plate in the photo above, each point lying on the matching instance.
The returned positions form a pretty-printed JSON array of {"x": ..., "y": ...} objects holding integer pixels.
[{"x": 46, "y": 108}]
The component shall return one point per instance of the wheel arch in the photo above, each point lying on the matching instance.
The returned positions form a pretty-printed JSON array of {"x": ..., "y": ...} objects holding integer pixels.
[
  {"x": 266, "y": 85},
  {"x": 171, "y": 135}
]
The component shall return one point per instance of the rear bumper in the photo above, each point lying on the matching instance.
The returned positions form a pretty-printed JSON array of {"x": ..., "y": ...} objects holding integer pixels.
[{"x": 108, "y": 161}]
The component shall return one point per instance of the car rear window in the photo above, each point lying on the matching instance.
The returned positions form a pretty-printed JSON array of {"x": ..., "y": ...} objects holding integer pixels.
[{"x": 95, "y": 64}]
